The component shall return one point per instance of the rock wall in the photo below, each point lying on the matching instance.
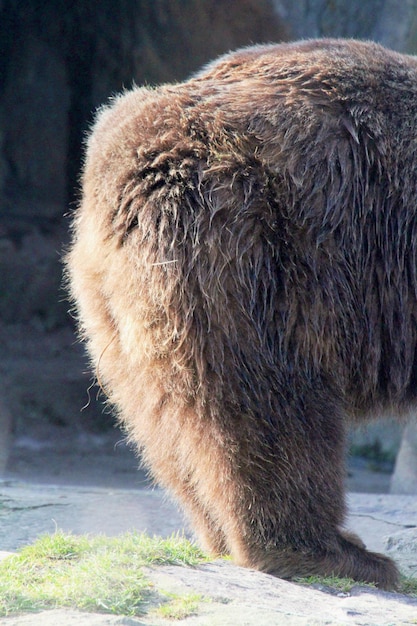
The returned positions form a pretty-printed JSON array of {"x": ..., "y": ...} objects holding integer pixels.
[
  {"x": 61, "y": 60},
  {"x": 389, "y": 22}
]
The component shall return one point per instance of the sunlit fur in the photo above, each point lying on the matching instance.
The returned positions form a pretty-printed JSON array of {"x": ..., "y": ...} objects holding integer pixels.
[{"x": 244, "y": 270}]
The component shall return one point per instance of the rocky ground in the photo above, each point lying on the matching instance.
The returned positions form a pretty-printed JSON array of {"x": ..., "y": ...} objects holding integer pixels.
[{"x": 230, "y": 596}]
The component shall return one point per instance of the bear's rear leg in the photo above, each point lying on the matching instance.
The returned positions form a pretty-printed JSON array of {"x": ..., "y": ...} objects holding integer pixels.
[{"x": 276, "y": 493}]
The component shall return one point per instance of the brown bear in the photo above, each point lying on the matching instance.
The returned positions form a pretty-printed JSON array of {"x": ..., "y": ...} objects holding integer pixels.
[{"x": 244, "y": 267}]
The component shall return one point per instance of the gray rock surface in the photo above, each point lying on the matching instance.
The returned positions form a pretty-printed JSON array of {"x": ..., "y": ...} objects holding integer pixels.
[
  {"x": 402, "y": 547},
  {"x": 241, "y": 597},
  {"x": 60, "y": 617},
  {"x": 28, "y": 511}
]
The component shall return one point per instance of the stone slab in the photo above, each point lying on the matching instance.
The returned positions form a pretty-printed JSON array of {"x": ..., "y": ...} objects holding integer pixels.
[{"x": 28, "y": 511}]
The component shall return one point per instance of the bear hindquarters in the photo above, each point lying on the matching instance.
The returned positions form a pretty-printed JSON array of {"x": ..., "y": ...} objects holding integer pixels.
[{"x": 179, "y": 277}]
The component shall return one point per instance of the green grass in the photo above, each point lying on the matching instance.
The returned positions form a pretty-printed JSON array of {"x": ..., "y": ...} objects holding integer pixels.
[
  {"x": 332, "y": 584},
  {"x": 179, "y": 607},
  {"x": 93, "y": 574},
  {"x": 409, "y": 586}
]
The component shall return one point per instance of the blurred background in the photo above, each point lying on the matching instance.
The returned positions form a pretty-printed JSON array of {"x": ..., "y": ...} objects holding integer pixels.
[{"x": 59, "y": 61}]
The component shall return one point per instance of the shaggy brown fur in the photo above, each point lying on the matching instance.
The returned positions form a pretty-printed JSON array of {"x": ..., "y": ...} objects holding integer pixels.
[{"x": 244, "y": 267}]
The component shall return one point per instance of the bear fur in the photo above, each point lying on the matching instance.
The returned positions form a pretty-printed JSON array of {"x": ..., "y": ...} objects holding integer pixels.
[{"x": 244, "y": 268}]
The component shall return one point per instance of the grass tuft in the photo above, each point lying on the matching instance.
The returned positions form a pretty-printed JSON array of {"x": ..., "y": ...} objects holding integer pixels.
[
  {"x": 179, "y": 607},
  {"x": 332, "y": 584},
  {"x": 89, "y": 573},
  {"x": 408, "y": 586}
]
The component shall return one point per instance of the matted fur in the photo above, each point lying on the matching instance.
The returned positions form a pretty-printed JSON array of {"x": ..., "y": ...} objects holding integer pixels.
[{"x": 244, "y": 270}]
